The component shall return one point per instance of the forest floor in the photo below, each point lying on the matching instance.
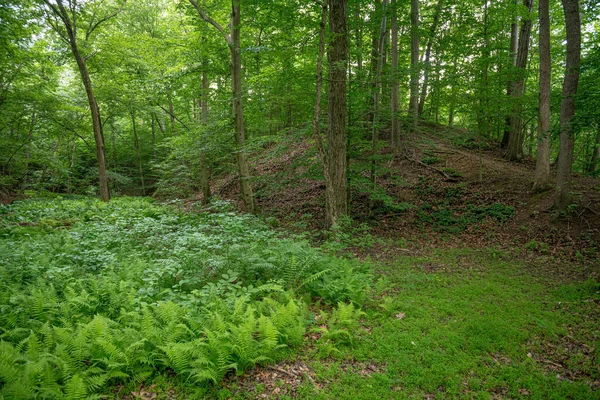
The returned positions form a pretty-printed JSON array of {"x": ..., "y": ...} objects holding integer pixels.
[{"x": 482, "y": 291}]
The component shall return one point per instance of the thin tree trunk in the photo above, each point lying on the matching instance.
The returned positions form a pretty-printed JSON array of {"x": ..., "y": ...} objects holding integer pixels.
[
  {"x": 376, "y": 95},
  {"x": 514, "y": 40},
  {"x": 153, "y": 137},
  {"x": 204, "y": 164},
  {"x": 316, "y": 131},
  {"x": 541, "y": 179},
  {"x": 172, "y": 113},
  {"x": 567, "y": 105},
  {"x": 395, "y": 81},
  {"x": 595, "y": 162},
  {"x": 238, "y": 111},
  {"x": 336, "y": 135},
  {"x": 414, "y": 63},
  {"x": 514, "y": 150},
  {"x": 136, "y": 145},
  {"x": 426, "y": 66},
  {"x": 71, "y": 30},
  {"x": 28, "y": 151}
]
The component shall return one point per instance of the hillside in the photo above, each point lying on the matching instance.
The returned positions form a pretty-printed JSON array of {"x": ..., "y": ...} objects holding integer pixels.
[{"x": 436, "y": 179}]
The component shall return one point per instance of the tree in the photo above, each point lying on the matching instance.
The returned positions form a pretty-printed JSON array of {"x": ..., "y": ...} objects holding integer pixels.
[
  {"x": 337, "y": 57},
  {"x": 541, "y": 180},
  {"x": 413, "y": 108},
  {"x": 567, "y": 106},
  {"x": 514, "y": 150},
  {"x": 233, "y": 43},
  {"x": 395, "y": 79},
  {"x": 427, "y": 65},
  {"x": 68, "y": 33}
]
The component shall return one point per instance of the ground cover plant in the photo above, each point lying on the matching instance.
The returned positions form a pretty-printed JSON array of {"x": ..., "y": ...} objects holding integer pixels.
[
  {"x": 94, "y": 295},
  {"x": 446, "y": 324}
]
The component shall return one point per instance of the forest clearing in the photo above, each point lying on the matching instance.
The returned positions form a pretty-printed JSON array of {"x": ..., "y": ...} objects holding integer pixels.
[{"x": 285, "y": 199}]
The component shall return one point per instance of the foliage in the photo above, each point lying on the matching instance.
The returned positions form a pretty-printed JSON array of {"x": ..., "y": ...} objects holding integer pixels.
[{"x": 94, "y": 294}]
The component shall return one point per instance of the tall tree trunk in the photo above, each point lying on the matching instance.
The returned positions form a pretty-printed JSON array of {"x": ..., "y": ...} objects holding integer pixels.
[
  {"x": 316, "y": 131},
  {"x": 514, "y": 40},
  {"x": 238, "y": 111},
  {"x": 413, "y": 109},
  {"x": 514, "y": 150},
  {"x": 427, "y": 66},
  {"x": 153, "y": 137},
  {"x": 204, "y": 164},
  {"x": 376, "y": 95},
  {"x": 395, "y": 81},
  {"x": 336, "y": 94},
  {"x": 96, "y": 123},
  {"x": 28, "y": 151},
  {"x": 453, "y": 94},
  {"x": 136, "y": 146},
  {"x": 541, "y": 179},
  {"x": 567, "y": 105},
  {"x": 595, "y": 161},
  {"x": 71, "y": 30},
  {"x": 171, "y": 113}
]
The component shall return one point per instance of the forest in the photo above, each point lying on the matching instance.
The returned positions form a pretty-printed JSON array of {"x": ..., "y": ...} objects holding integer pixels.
[{"x": 330, "y": 199}]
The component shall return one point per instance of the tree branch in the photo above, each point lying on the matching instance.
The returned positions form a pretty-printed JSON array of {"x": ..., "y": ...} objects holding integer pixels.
[
  {"x": 211, "y": 21},
  {"x": 93, "y": 27}
]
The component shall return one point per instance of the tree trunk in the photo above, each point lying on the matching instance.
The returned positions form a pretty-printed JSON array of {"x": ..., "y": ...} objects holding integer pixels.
[
  {"x": 238, "y": 111},
  {"x": 426, "y": 66},
  {"x": 395, "y": 81},
  {"x": 514, "y": 150},
  {"x": 413, "y": 109},
  {"x": 541, "y": 179},
  {"x": 136, "y": 145},
  {"x": 28, "y": 151},
  {"x": 595, "y": 162},
  {"x": 204, "y": 165},
  {"x": 514, "y": 40},
  {"x": 567, "y": 105},
  {"x": 376, "y": 95},
  {"x": 336, "y": 94},
  {"x": 316, "y": 131},
  {"x": 96, "y": 122}
]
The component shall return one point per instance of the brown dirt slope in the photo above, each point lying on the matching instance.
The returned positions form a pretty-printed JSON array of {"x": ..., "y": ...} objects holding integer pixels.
[{"x": 438, "y": 175}]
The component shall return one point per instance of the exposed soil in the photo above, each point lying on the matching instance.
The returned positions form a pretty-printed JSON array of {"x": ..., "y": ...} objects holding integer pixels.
[{"x": 439, "y": 178}]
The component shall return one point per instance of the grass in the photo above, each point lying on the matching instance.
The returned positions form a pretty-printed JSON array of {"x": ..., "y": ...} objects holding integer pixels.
[
  {"x": 174, "y": 304},
  {"x": 466, "y": 324}
]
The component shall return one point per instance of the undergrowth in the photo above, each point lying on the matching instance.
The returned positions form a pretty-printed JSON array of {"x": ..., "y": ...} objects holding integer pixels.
[{"x": 94, "y": 295}]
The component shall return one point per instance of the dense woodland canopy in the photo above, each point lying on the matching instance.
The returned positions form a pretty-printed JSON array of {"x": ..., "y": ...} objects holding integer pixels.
[{"x": 159, "y": 97}]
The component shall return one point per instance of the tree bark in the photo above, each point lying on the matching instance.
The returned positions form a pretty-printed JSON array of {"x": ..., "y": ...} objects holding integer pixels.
[
  {"x": 395, "y": 81},
  {"x": 233, "y": 42},
  {"x": 336, "y": 94},
  {"x": 427, "y": 66},
  {"x": 541, "y": 180},
  {"x": 595, "y": 161},
  {"x": 136, "y": 145},
  {"x": 514, "y": 40},
  {"x": 413, "y": 109},
  {"x": 514, "y": 150},
  {"x": 71, "y": 37},
  {"x": 567, "y": 105},
  {"x": 204, "y": 164},
  {"x": 238, "y": 110}
]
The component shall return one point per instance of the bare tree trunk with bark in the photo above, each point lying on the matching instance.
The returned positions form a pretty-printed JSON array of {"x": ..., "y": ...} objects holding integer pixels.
[
  {"x": 413, "y": 109},
  {"x": 336, "y": 94},
  {"x": 567, "y": 106},
  {"x": 233, "y": 42},
  {"x": 427, "y": 63},
  {"x": 541, "y": 181},
  {"x": 395, "y": 79},
  {"x": 514, "y": 150}
]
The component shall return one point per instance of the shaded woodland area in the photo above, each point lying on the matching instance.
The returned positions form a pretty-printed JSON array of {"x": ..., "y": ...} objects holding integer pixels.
[{"x": 299, "y": 199}]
